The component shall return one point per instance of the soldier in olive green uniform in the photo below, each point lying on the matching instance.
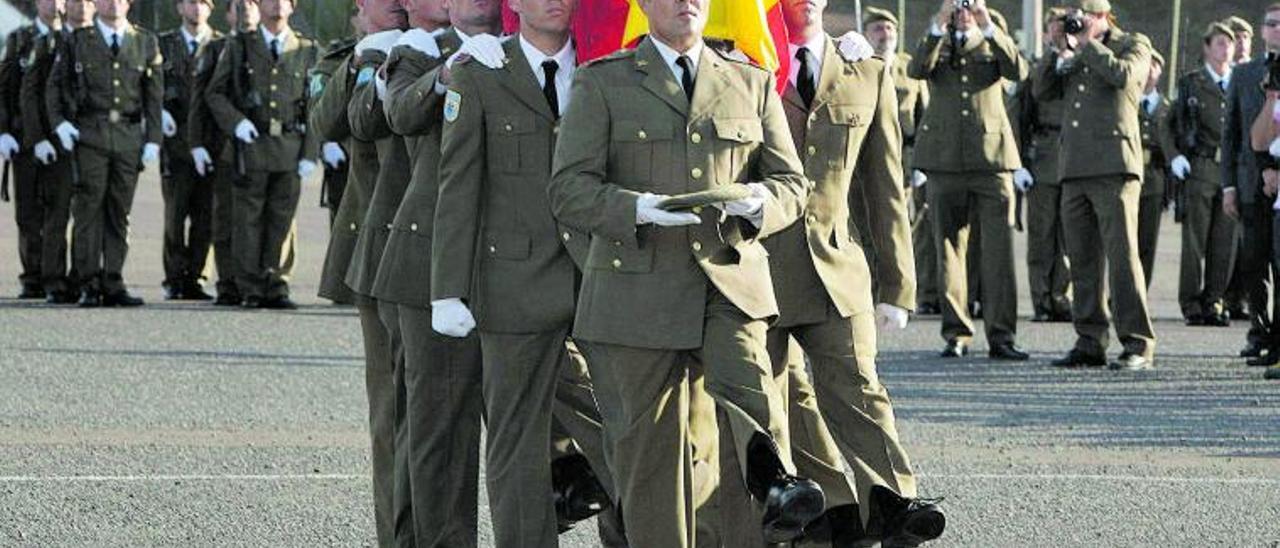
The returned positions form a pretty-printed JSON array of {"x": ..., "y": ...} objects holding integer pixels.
[
  {"x": 1193, "y": 142},
  {"x": 188, "y": 195},
  {"x": 1154, "y": 117},
  {"x": 258, "y": 93},
  {"x": 104, "y": 101},
  {"x": 1036, "y": 123},
  {"x": 659, "y": 120},
  {"x": 1100, "y": 165},
  {"x": 53, "y": 168},
  {"x": 967, "y": 149},
  {"x": 333, "y": 153},
  {"x": 28, "y": 179},
  {"x": 843, "y": 116}
]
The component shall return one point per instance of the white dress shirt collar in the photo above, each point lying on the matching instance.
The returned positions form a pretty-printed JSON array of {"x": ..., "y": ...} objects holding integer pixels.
[
  {"x": 1152, "y": 101},
  {"x": 108, "y": 32},
  {"x": 282, "y": 37},
  {"x": 41, "y": 28},
  {"x": 1219, "y": 80},
  {"x": 566, "y": 59},
  {"x": 200, "y": 38},
  {"x": 817, "y": 48},
  {"x": 670, "y": 55}
]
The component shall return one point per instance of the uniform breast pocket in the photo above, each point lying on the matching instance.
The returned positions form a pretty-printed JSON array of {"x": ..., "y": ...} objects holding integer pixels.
[
  {"x": 509, "y": 142},
  {"x": 507, "y": 246},
  {"x": 641, "y": 151},
  {"x": 849, "y": 124},
  {"x": 737, "y": 139},
  {"x": 616, "y": 256}
]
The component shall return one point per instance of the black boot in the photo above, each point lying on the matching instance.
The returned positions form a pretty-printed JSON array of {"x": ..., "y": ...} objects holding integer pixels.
[
  {"x": 902, "y": 522},
  {"x": 842, "y": 527},
  {"x": 790, "y": 502},
  {"x": 578, "y": 492}
]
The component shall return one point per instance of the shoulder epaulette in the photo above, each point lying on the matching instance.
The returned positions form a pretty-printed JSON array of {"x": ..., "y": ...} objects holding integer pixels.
[
  {"x": 339, "y": 49},
  {"x": 625, "y": 53}
]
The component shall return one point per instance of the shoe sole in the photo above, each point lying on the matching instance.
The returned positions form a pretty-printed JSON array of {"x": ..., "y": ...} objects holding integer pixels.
[
  {"x": 799, "y": 509},
  {"x": 917, "y": 530}
]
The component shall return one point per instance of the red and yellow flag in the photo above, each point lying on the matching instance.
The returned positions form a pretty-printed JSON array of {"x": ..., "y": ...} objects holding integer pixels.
[{"x": 756, "y": 28}]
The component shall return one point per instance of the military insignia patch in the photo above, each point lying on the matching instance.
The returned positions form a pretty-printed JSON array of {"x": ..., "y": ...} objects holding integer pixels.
[
  {"x": 452, "y": 103},
  {"x": 365, "y": 76},
  {"x": 317, "y": 85}
]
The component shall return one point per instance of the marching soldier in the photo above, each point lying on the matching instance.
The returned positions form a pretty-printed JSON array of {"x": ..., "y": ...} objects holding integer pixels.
[
  {"x": 1238, "y": 289},
  {"x": 104, "y": 101},
  {"x": 967, "y": 149},
  {"x": 1244, "y": 39},
  {"x": 1154, "y": 117},
  {"x": 332, "y": 153},
  {"x": 1036, "y": 124},
  {"x": 212, "y": 153},
  {"x": 258, "y": 93},
  {"x": 1193, "y": 141},
  {"x": 673, "y": 117},
  {"x": 53, "y": 170},
  {"x": 29, "y": 208},
  {"x": 188, "y": 196},
  {"x": 1104, "y": 68},
  {"x": 844, "y": 117}
]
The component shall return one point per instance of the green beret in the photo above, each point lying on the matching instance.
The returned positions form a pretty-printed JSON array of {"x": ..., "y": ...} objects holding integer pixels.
[
  {"x": 873, "y": 15},
  {"x": 1217, "y": 28},
  {"x": 1090, "y": 6},
  {"x": 1238, "y": 25}
]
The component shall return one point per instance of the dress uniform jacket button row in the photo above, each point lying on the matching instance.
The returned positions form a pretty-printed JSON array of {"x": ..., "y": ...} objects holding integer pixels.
[
  {"x": 695, "y": 137},
  {"x": 1075, "y": 123},
  {"x": 566, "y": 236},
  {"x": 964, "y": 95},
  {"x": 696, "y": 173},
  {"x": 617, "y": 263},
  {"x": 413, "y": 227},
  {"x": 1081, "y": 88},
  {"x": 697, "y": 246},
  {"x": 642, "y": 135},
  {"x": 812, "y": 150},
  {"x": 493, "y": 249}
]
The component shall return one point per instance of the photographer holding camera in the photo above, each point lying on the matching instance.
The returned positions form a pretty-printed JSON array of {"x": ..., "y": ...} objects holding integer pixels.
[
  {"x": 966, "y": 148},
  {"x": 1245, "y": 195},
  {"x": 1105, "y": 69}
]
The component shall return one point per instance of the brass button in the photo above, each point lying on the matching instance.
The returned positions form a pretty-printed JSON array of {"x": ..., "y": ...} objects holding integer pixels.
[
  {"x": 507, "y": 127},
  {"x": 697, "y": 246},
  {"x": 964, "y": 78},
  {"x": 812, "y": 218},
  {"x": 273, "y": 87},
  {"x": 696, "y": 173},
  {"x": 617, "y": 243},
  {"x": 353, "y": 226},
  {"x": 115, "y": 66},
  {"x": 812, "y": 150},
  {"x": 116, "y": 82},
  {"x": 964, "y": 95},
  {"x": 1075, "y": 123},
  {"x": 1081, "y": 88},
  {"x": 275, "y": 71},
  {"x": 413, "y": 227},
  {"x": 493, "y": 249},
  {"x": 964, "y": 112},
  {"x": 388, "y": 226},
  {"x": 642, "y": 135},
  {"x": 924, "y": 127},
  {"x": 555, "y": 130},
  {"x": 566, "y": 236},
  {"x": 696, "y": 137},
  {"x": 617, "y": 263},
  {"x": 1077, "y": 105},
  {"x": 272, "y": 104},
  {"x": 115, "y": 100},
  {"x": 964, "y": 62},
  {"x": 813, "y": 117}
]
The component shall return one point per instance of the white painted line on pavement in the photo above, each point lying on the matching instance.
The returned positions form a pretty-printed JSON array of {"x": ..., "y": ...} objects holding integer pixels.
[{"x": 1104, "y": 477}]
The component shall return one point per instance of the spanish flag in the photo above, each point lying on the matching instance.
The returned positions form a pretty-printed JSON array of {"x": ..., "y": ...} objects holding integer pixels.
[{"x": 755, "y": 27}]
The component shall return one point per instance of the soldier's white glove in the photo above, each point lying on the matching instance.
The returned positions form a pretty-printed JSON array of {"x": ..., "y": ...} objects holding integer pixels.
[
  {"x": 204, "y": 162},
  {"x": 890, "y": 318},
  {"x": 167, "y": 125},
  {"x": 68, "y": 135},
  {"x": 1181, "y": 167},
  {"x": 451, "y": 318},
  {"x": 1023, "y": 179},
  {"x": 854, "y": 47},
  {"x": 45, "y": 152},
  {"x": 918, "y": 178},
  {"x": 378, "y": 41},
  {"x": 647, "y": 212},
  {"x": 420, "y": 40},
  {"x": 305, "y": 168},
  {"x": 486, "y": 49},
  {"x": 8, "y": 146},
  {"x": 150, "y": 153},
  {"x": 245, "y": 132},
  {"x": 1274, "y": 149},
  {"x": 750, "y": 208},
  {"x": 333, "y": 154}
]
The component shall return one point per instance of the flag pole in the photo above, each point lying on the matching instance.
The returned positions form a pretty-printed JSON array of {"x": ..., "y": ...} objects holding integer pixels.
[{"x": 857, "y": 13}]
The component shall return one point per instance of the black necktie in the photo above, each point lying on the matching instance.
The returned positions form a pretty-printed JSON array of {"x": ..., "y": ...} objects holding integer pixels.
[
  {"x": 686, "y": 76},
  {"x": 804, "y": 79},
  {"x": 115, "y": 44},
  {"x": 1146, "y": 106},
  {"x": 191, "y": 47},
  {"x": 549, "y": 68},
  {"x": 275, "y": 49}
]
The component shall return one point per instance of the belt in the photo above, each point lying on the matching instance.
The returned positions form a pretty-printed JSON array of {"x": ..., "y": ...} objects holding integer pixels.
[{"x": 115, "y": 117}]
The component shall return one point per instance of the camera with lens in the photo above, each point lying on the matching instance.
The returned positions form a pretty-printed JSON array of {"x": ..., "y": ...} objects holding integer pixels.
[
  {"x": 1073, "y": 23},
  {"x": 1272, "y": 83},
  {"x": 964, "y": 4}
]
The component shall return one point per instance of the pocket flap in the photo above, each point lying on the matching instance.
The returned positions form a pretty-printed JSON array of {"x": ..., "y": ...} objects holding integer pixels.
[
  {"x": 639, "y": 131},
  {"x": 515, "y": 124},
  {"x": 739, "y": 130},
  {"x": 511, "y": 246},
  {"x": 850, "y": 115}
]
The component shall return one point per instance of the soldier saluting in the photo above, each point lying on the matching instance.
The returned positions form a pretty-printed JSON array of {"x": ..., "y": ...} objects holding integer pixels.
[{"x": 104, "y": 102}]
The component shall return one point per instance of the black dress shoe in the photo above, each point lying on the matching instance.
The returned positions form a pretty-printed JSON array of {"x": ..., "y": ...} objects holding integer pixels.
[
  {"x": 1041, "y": 316},
  {"x": 1252, "y": 349},
  {"x": 228, "y": 299},
  {"x": 279, "y": 303},
  {"x": 954, "y": 349},
  {"x": 1130, "y": 362},
  {"x": 121, "y": 298},
  {"x": 903, "y": 522},
  {"x": 841, "y": 527},
  {"x": 1217, "y": 320},
  {"x": 1269, "y": 359},
  {"x": 253, "y": 302},
  {"x": 31, "y": 292},
  {"x": 790, "y": 505},
  {"x": 61, "y": 297},
  {"x": 1080, "y": 358},
  {"x": 1007, "y": 351},
  {"x": 1195, "y": 320},
  {"x": 89, "y": 298},
  {"x": 1060, "y": 316},
  {"x": 193, "y": 291},
  {"x": 172, "y": 292},
  {"x": 928, "y": 309},
  {"x": 577, "y": 491}
]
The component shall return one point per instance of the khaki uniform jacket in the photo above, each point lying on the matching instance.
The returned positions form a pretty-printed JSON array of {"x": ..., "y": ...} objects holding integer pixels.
[
  {"x": 913, "y": 97},
  {"x": 1154, "y": 125},
  {"x": 1101, "y": 88},
  {"x": 630, "y": 130},
  {"x": 88, "y": 82},
  {"x": 966, "y": 127},
  {"x": 1199, "y": 93},
  {"x": 1038, "y": 127},
  {"x": 180, "y": 86},
  {"x": 849, "y": 138},
  {"x": 275, "y": 99},
  {"x": 19, "y": 56},
  {"x": 496, "y": 243},
  {"x": 369, "y": 123},
  {"x": 32, "y": 105},
  {"x": 414, "y": 111},
  {"x": 200, "y": 129}
]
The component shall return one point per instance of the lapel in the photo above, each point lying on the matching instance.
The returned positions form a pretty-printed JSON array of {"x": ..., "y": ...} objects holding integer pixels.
[
  {"x": 257, "y": 44},
  {"x": 792, "y": 96},
  {"x": 448, "y": 43},
  {"x": 832, "y": 65},
  {"x": 521, "y": 81},
  {"x": 659, "y": 79},
  {"x": 709, "y": 88}
]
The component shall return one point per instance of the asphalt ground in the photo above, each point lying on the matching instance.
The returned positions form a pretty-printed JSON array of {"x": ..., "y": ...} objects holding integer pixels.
[{"x": 185, "y": 425}]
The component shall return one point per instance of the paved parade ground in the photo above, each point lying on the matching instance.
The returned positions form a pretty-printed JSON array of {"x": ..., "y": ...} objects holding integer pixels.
[{"x": 185, "y": 425}]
